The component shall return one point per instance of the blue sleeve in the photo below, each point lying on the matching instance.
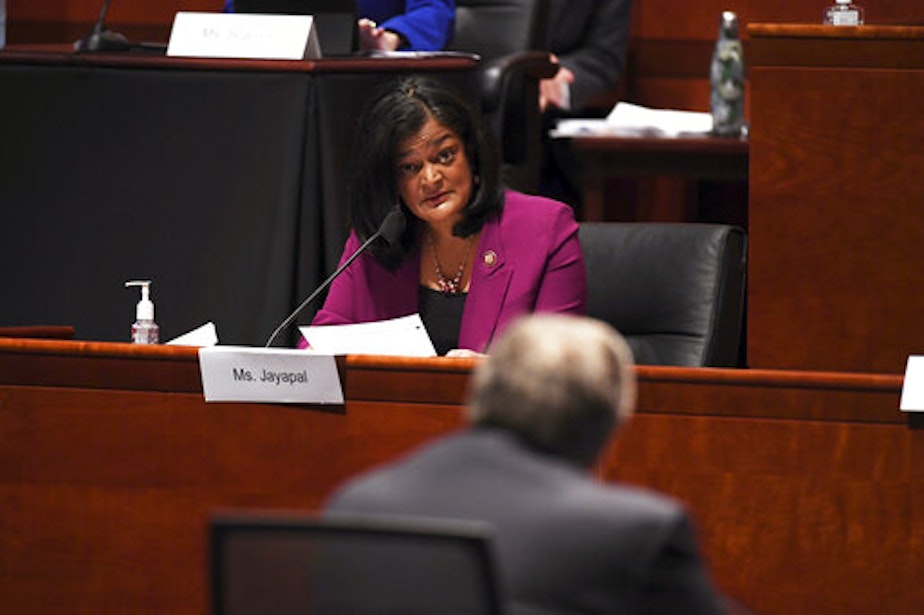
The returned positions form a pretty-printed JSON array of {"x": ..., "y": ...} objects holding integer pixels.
[{"x": 426, "y": 24}]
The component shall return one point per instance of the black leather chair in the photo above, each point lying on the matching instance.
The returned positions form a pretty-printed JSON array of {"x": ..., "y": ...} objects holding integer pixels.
[
  {"x": 675, "y": 291},
  {"x": 282, "y": 564},
  {"x": 511, "y": 36}
]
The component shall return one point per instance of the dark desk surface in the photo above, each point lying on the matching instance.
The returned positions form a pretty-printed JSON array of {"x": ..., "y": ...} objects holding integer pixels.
[
  {"x": 694, "y": 157},
  {"x": 64, "y": 54}
]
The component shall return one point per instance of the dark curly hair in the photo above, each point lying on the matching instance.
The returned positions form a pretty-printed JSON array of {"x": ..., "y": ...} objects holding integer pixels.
[{"x": 396, "y": 113}]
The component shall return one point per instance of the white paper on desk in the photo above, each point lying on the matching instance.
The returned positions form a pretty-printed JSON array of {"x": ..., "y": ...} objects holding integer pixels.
[
  {"x": 672, "y": 123},
  {"x": 912, "y": 399},
  {"x": 403, "y": 337},
  {"x": 206, "y": 335},
  {"x": 629, "y": 119},
  {"x": 581, "y": 127}
]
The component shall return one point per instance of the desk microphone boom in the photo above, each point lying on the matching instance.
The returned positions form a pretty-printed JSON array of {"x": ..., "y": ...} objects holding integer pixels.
[
  {"x": 100, "y": 39},
  {"x": 391, "y": 229}
]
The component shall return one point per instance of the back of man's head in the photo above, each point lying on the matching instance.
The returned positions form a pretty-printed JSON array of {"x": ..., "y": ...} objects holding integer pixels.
[{"x": 560, "y": 382}]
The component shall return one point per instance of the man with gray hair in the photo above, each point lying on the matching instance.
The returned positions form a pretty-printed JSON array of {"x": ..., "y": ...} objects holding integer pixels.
[{"x": 544, "y": 404}]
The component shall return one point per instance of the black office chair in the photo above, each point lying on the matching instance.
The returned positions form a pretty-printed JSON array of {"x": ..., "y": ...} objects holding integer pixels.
[
  {"x": 675, "y": 291},
  {"x": 511, "y": 36},
  {"x": 356, "y": 565}
]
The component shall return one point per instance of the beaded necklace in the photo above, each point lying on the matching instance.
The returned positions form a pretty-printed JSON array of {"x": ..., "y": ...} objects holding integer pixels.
[{"x": 449, "y": 286}]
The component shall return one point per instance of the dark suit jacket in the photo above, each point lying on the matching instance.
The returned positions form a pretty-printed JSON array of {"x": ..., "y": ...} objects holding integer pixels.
[
  {"x": 590, "y": 38},
  {"x": 528, "y": 260},
  {"x": 565, "y": 543}
]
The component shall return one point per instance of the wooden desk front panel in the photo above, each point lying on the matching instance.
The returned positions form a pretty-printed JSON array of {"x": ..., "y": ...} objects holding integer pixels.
[
  {"x": 836, "y": 251},
  {"x": 793, "y": 518},
  {"x": 106, "y": 495},
  {"x": 806, "y": 488}
]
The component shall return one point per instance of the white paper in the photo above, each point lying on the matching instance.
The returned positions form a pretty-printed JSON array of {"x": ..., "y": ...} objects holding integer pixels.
[
  {"x": 402, "y": 54},
  {"x": 275, "y": 375},
  {"x": 913, "y": 387},
  {"x": 404, "y": 337},
  {"x": 206, "y": 335},
  {"x": 243, "y": 35},
  {"x": 629, "y": 119}
]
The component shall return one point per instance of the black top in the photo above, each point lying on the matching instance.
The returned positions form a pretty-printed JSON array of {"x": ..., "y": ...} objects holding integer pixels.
[{"x": 442, "y": 316}]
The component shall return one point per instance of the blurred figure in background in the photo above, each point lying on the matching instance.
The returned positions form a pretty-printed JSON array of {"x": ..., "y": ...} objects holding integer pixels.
[
  {"x": 544, "y": 404},
  {"x": 391, "y": 25},
  {"x": 589, "y": 39},
  {"x": 417, "y": 25}
]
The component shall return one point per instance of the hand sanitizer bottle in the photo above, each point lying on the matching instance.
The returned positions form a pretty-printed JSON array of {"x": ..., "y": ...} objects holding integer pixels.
[
  {"x": 844, "y": 13},
  {"x": 144, "y": 330}
]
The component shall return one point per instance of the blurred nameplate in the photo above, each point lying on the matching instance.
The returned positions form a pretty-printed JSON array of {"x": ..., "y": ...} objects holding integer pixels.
[
  {"x": 403, "y": 337},
  {"x": 274, "y": 375},
  {"x": 243, "y": 36},
  {"x": 913, "y": 387}
]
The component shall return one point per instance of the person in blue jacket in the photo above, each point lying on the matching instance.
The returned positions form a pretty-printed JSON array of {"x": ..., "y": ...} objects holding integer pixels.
[{"x": 391, "y": 25}]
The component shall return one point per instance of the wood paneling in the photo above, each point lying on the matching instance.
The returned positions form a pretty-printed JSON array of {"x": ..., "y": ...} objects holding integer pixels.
[
  {"x": 806, "y": 487},
  {"x": 835, "y": 227}
]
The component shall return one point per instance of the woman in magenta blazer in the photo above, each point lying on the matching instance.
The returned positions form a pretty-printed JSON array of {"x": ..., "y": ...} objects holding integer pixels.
[{"x": 473, "y": 257}]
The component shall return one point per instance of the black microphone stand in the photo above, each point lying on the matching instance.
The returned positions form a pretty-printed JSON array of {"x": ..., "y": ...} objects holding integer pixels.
[
  {"x": 100, "y": 39},
  {"x": 391, "y": 228}
]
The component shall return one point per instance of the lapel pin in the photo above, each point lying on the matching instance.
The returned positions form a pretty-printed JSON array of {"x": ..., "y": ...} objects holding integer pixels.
[{"x": 490, "y": 258}]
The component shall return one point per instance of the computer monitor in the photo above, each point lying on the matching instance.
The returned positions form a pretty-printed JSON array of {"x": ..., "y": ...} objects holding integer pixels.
[
  {"x": 361, "y": 565},
  {"x": 335, "y": 20}
]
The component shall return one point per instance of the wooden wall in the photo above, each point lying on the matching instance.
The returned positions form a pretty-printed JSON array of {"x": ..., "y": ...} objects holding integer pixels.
[
  {"x": 836, "y": 255},
  {"x": 668, "y": 65},
  {"x": 669, "y": 51},
  {"x": 672, "y": 42},
  {"x": 61, "y": 21}
]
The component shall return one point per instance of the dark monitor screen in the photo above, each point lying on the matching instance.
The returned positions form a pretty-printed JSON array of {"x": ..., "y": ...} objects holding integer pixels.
[{"x": 335, "y": 20}]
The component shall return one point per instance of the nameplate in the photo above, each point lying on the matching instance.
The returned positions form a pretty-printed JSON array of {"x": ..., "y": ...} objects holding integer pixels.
[
  {"x": 243, "y": 35},
  {"x": 273, "y": 375},
  {"x": 913, "y": 387}
]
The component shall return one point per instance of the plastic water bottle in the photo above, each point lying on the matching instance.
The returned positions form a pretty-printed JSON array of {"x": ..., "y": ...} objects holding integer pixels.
[
  {"x": 726, "y": 77},
  {"x": 844, "y": 13}
]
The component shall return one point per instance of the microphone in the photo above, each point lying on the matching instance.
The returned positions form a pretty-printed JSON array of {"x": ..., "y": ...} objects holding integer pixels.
[
  {"x": 391, "y": 229},
  {"x": 102, "y": 40}
]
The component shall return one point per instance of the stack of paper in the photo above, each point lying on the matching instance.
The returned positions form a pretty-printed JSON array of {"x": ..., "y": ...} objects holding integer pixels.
[{"x": 629, "y": 119}]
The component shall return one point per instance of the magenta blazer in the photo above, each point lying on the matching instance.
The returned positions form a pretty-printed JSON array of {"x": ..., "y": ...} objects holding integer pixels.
[{"x": 528, "y": 260}]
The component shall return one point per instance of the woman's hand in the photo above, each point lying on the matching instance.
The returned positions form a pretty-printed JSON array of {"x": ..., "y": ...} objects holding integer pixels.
[{"x": 374, "y": 38}]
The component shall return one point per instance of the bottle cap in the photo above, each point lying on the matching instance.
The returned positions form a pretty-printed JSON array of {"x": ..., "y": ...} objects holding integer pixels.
[
  {"x": 145, "y": 308},
  {"x": 729, "y": 24}
]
